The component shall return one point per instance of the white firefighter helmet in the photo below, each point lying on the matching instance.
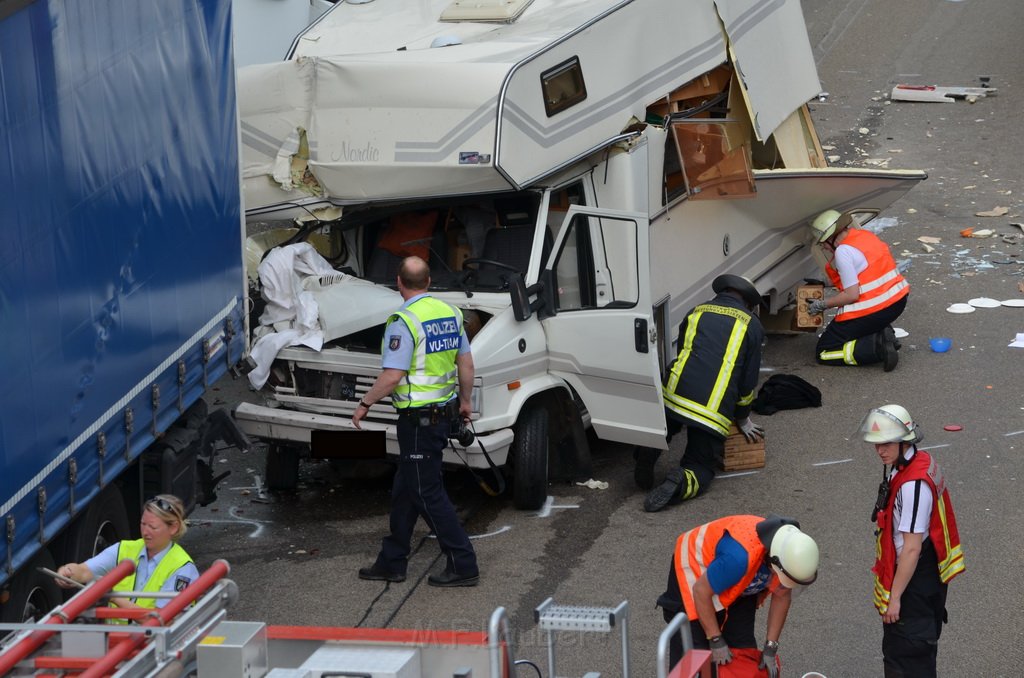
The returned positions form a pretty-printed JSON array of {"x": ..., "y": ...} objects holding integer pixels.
[
  {"x": 826, "y": 225},
  {"x": 794, "y": 557},
  {"x": 889, "y": 424}
]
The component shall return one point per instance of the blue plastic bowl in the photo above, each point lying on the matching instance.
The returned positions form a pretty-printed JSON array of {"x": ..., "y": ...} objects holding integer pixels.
[{"x": 940, "y": 344}]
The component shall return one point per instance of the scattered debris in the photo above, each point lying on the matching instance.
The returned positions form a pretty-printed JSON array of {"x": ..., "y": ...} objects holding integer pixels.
[
  {"x": 960, "y": 308},
  {"x": 966, "y": 233},
  {"x": 911, "y": 210},
  {"x": 983, "y": 233},
  {"x": 864, "y": 130},
  {"x": 930, "y": 239},
  {"x": 994, "y": 212},
  {"x": 594, "y": 484},
  {"x": 927, "y": 248},
  {"x": 937, "y": 94},
  {"x": 953, "y": 427}
]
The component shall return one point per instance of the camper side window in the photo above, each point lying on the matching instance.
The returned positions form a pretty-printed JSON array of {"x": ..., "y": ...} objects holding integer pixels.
[
  {"x": 597, "y": 265},
  {"x": 563, "y": 86}
]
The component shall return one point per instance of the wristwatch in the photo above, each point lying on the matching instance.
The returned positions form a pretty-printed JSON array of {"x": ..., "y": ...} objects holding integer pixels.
[
  {"x": 363, "y": 404},
  {"x": 771, "y": 645}
]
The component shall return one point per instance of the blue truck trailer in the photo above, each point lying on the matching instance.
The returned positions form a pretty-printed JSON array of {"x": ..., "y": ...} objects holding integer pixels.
[{"x": 122, "y": 292}]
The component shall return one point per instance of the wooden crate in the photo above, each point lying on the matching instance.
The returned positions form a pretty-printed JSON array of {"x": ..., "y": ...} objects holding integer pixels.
[
  {"x": 741, "y": 455},
  {"x": 804, "y": 294}
]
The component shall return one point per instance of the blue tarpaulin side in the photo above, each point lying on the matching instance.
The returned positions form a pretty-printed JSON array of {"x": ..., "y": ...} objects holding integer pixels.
[{"x": 120, "y": 235}]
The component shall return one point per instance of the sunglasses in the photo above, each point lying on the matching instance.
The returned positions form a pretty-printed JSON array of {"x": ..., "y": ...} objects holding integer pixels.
[{"x": 163, "y": 505}]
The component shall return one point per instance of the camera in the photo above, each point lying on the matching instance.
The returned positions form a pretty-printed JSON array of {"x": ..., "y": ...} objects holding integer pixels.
[{"x": 461, "y": 433}]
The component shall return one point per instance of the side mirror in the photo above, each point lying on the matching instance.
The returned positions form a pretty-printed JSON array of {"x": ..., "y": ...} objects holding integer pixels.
[
  {"x": 520, "y": 298},
  {"x": 522, "y": 307}
]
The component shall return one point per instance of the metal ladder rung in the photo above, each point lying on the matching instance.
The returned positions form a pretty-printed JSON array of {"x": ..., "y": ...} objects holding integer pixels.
[
  {"x": 551, "y": 618},
  {"x": 575, "y": 618}
]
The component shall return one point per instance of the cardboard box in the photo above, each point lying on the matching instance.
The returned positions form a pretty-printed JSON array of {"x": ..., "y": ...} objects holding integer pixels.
[
  {"x": 804, "y": 294},
  {"x": 741, "y": 455}
]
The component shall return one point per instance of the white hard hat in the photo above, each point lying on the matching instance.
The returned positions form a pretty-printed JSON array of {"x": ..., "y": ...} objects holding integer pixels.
[
  {"x": 889, "y": 424},
  {"x": 794, "y": 557},
  {"x": 825, "y": 225}
]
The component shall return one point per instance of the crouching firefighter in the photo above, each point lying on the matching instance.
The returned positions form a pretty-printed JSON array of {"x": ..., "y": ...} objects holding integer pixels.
[
  {"x": 918, "y": 548},
  {"x": 710, "y": 385},
  {"x": 723, "y": 571}
]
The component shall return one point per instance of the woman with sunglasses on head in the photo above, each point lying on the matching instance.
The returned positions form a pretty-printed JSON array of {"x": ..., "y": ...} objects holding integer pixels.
[
  {"x": 160, "y": 563},
  {"x": 918, "y": 550}
]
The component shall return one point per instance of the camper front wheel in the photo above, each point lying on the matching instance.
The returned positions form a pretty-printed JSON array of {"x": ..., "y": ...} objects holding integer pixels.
[{"x": 530, "y": 459}]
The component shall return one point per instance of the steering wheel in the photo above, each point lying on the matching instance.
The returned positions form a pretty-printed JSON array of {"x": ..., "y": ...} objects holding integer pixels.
[{"x": 493, "y": 262}]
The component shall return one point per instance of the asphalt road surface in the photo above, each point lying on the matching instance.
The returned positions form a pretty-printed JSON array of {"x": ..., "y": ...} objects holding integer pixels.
[{"x": 295, "y": 557}]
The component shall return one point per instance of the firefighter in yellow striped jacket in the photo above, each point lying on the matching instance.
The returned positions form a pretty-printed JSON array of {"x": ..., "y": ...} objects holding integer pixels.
[{"x": 710, "y": 386}]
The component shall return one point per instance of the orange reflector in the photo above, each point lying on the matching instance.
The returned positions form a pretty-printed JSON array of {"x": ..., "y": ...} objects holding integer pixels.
[{"x": 513, "y": 385}]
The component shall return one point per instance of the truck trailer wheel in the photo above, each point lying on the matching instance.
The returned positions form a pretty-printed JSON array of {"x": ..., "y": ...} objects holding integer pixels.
[
  {"x": 530, "y": 459},
  {"x": 282, "y": 468},
  {"x": 104, "y": 523},
  {"x": 31, "y": 594}
]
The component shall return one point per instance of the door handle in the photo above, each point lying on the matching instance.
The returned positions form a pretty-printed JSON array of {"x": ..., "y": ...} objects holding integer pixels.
[{"x": 640, "y": 340}]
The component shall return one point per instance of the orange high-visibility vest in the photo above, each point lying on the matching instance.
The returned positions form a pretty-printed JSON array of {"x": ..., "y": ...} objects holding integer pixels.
[
  {"x": 942, "y": 529},
  {"x": 696, "y": 549},
  {"x": 881, "y": 284}
]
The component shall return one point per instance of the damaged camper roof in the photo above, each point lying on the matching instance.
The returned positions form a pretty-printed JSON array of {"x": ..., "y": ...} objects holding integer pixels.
[{"x": 366, "y": 109}]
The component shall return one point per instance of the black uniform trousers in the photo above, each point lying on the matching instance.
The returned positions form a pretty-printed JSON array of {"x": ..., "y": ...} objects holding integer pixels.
[
  {"x": 864, "y": 330},
  {"x": 701, "y": 455},
  {"x": 910, "y": 647},
  {"x": 736, "y": 622},
  {"x": 418, "y": 490}
]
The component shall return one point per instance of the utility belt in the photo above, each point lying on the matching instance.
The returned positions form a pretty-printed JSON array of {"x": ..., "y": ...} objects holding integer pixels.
[{"x": 431, "y": 415}]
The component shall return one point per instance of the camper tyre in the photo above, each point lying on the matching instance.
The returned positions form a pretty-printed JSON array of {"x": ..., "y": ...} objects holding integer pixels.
[
  {"x": 530, "y": 459},
  {"x": 282, "y": 468}
]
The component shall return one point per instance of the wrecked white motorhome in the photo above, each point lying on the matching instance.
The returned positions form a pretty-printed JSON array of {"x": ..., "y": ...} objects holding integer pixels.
[{"x": 615, "y": 155}]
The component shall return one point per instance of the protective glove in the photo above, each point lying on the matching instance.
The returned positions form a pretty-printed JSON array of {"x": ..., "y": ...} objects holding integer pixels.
[
  {"x": 816, "y": 306},
  {"x": 768, "y": 662},
  {"x": 751, "y": 431},
  {"x": 720, "y": 652}
]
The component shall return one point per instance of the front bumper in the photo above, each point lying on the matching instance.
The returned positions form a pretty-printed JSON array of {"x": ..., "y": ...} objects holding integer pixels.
[{"x": 278, "y": 425}]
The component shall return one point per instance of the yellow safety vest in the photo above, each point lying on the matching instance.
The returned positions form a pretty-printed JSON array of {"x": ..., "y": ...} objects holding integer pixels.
[
  {"x": 174, "y": 559},
  {"x": 436, "y": 330}
]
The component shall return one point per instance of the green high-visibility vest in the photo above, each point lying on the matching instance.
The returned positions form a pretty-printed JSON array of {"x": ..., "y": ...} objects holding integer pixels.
[
  {"x": 436, "y": 330},
  {"x": 174, "y": 559}
]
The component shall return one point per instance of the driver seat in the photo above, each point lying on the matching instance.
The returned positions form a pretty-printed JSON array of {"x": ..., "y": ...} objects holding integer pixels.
[{"x": 512, "y": 246}]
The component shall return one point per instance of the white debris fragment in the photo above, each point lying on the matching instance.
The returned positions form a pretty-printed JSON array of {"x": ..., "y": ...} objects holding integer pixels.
[
  {"x": 594, "y": 484},
  {"x": 864, "y": 130},
  {"x": 994, "y": 212}
]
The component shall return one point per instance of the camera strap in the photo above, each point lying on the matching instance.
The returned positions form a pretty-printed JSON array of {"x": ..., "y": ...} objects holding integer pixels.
[{"x": 499, "y": 477}]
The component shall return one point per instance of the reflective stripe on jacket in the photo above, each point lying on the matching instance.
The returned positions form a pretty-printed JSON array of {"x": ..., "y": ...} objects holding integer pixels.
[
  {"x": 942, "y": 529},
  {"x": 881, "y": 283},
  {"x": 696, "y": 549},
  {"x": 436, "y": 330},
  {"x": 712, "y": 381},
  {"x": 174, "y": 559}
]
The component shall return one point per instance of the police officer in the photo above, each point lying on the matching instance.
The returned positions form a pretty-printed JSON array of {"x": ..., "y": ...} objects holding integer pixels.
[
  {"x": 872, "y": 295},
  {"x": 711, "y": 384},
  {"x": 918, "y": 550},
  {"x": 160, "y": 563},
  {"x": 428, "y": 371},
  {"x": 722, "y": 571}
]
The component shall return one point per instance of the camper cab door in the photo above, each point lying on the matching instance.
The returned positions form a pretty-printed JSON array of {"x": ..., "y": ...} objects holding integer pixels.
[{"x": 600, "y": 331}]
